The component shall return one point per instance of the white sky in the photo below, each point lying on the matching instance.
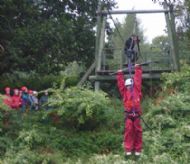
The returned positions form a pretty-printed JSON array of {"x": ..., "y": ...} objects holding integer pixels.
[{"x": 153, "y": 24}]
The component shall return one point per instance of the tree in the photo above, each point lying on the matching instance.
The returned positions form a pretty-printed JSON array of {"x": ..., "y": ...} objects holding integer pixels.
[
  {"x": 44, "y": 35},
  {"x": 161, "y": 42},
  {"x": 182, "y": 25},
  {"x": 160, "y": 51},
  {"x": 173, "y": 2}
]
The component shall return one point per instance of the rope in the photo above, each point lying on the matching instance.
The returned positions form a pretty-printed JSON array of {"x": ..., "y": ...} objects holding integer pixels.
[
  {"x": 114, "y": 23},
  {"x": 145, "y": 123}
]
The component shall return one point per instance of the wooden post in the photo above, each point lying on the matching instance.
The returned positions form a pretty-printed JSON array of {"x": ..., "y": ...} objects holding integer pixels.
[
  {"x": 103, "y": 60},
  {"x": 171, "y": 34},
  {"x": 98, "y": 31},
  {"x": 176, "y": 48},
  {"x": 100, "y": 44}
]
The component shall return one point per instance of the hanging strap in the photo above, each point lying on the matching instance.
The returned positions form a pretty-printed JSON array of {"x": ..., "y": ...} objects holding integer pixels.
[
  {"x": 145, "y": 123},
  {"x": 132, "y": 88},
  {"x": 133, "y": 116}
]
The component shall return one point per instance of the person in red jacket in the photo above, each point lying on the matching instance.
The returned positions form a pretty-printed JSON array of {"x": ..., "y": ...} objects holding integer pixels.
[
  {"x": 7, "y": 100},
  {"x": 16, "y": 100},
  {"x": 130, "y": 90}
]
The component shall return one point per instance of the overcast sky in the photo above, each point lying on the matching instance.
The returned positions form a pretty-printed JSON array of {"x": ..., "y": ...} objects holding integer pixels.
[{"x": 153, "y": 24}]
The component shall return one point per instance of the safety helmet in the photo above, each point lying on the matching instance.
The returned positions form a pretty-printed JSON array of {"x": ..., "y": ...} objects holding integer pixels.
[
  {"x": 35, "y": 92},
  {"x": 128, "y": 82},
  {"x": 23, "y": 88}
]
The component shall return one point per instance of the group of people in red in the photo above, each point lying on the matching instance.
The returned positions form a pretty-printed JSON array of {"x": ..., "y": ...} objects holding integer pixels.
[{"x": 23, "y": 99}]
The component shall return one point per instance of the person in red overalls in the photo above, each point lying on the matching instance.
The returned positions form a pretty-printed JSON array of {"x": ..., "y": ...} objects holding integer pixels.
[
  {"x": 130, "y": 90},
  {"x": 7, "y": 100},
  {"x": 16, "y": 100}
]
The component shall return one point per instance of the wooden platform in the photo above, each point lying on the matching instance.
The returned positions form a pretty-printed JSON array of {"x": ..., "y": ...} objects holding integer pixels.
[{"x": 147, "y": 74}]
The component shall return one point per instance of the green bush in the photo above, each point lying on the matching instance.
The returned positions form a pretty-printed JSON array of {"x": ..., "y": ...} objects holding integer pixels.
[
  {"x": 180, "y": 81},
  {"x": 79, "y": 107},
  {"x": 88, "y": 129},
  {"x": 32, "y": 138}
]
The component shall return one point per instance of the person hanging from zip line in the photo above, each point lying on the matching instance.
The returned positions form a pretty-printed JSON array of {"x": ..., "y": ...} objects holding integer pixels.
[{"x": 130, "y": 90}]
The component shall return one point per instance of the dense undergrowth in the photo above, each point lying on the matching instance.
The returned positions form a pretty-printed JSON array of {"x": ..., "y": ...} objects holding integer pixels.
[{"x": 86, "y": 127}]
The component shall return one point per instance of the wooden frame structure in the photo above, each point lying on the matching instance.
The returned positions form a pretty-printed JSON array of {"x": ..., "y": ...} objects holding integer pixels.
[{"x": 100, "y": 38}]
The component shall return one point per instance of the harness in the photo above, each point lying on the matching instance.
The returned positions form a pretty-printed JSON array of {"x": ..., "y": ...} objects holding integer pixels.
[
  {"x": 131, "y": 115},
  {"x": 132, "y": 57}
]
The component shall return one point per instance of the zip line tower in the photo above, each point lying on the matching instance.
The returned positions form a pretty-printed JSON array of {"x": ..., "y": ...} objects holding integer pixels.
[{"x": 101, "y": 74}]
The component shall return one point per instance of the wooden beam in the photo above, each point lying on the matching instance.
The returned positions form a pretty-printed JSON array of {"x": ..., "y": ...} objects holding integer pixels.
[
  {"x": 86, "y": 75},
  {"x": 112, "y": 78},
  {"x": 153, "y": 71},
  {"x": 105, "y": 12}
]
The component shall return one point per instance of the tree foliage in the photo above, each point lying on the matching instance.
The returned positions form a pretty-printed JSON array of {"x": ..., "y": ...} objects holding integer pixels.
[
  {"x": 45, "y": 35},
  {"x": 79, "y": 107},
  {"x": 34, "y": 138},
  {"x": 173, "y": 2},
  {"x": 161, "y": 50}
]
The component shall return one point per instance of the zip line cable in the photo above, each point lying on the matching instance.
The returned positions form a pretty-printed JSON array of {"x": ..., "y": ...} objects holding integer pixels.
[
  {"x": 116, "y": 27},
  {"x": 115, "y": 24}
]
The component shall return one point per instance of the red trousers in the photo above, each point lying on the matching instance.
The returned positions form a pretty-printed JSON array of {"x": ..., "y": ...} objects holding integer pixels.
[{"x": 133, "y": 135}]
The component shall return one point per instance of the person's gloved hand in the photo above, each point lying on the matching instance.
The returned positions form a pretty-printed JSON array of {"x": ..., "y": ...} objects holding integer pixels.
[
  {"x": 120, "y": 70},
  {"x": 137, "y": 65}
]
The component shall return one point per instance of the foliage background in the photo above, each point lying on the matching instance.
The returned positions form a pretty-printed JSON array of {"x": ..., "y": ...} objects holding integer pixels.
[
  {"x": 48, "y": 44},
  {"x": 86, "y": 127}
]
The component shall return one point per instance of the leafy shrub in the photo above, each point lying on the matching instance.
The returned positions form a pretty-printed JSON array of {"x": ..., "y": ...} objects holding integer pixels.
[
  {"x": 180, "y": 81},
  {"x": 185, "y": 130},
  {"x": 80, "y": 107},
  {"x": 163, "y": 158},
  {"x": 22, "y": 156},
  {"x": 32, "y": 138},
  {"x": 36, "y": 140},
  {"x": 162, "y": 121}
]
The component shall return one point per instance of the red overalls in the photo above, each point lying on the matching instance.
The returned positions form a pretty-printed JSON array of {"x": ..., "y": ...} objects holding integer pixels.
[
  {"x": 131, "y": 101},
  {"x": 7, "y": 100},
  {"x": 16, "y": 102}
]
